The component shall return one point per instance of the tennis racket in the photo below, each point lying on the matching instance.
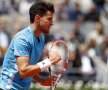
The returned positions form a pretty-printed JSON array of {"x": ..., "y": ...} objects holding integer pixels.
[{"x": 59, "y": 68}]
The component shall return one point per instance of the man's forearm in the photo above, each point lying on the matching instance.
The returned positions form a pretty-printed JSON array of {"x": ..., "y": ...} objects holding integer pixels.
[
  {"x": 29, "y": 70},
  {"x": 26, "y": 70}
]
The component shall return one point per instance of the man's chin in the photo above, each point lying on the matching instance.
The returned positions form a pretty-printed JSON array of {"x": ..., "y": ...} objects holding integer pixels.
[{"x": 46, "y": 31}]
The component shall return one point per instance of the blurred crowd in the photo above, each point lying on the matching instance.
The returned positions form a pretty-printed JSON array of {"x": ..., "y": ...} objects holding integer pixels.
[{"x": 82, "y": 24}]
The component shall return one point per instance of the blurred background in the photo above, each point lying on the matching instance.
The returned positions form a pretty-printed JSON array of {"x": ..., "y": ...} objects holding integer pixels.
[{"x": 82, "y": 24}]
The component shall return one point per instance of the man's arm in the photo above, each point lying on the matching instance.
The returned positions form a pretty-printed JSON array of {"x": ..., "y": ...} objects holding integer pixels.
[
  {"x": 44, "y": 81},
  {"x": 25, "y": 69}
]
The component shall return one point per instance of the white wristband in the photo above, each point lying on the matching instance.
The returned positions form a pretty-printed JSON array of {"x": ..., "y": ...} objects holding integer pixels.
[{"x": 44, "y": 64}]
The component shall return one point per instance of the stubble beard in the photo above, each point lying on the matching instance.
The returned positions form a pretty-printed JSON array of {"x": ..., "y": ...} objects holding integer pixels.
[{"x": 42, "y": 29}]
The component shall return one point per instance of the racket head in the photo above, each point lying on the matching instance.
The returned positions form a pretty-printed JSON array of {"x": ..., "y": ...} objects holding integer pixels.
[
  {"x": 61, "y": 48},
  {"x": 59, "y": 68}
]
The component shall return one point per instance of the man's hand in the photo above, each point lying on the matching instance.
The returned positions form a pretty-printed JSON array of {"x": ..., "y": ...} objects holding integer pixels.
[
  {"x": 49, "y": 81},
  {"x": 54, "y": 57}
]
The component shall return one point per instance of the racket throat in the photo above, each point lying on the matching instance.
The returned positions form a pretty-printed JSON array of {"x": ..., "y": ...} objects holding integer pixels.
[
  {"x": 49, "y": 71},
  {"x": 53, "y": 86}
]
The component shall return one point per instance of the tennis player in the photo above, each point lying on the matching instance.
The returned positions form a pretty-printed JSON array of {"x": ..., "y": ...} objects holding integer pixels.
[{"x": 21, "y": 63}]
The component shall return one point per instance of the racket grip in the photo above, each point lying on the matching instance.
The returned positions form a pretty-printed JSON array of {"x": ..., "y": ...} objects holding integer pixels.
[{"x": 51, "y": 87}]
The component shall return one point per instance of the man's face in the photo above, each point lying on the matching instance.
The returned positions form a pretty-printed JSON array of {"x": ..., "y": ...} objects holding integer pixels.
[{"x": 46, "y": 22}]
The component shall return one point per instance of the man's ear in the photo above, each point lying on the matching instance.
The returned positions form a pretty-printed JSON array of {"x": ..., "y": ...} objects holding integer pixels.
[{"x": 37, "y": 18}]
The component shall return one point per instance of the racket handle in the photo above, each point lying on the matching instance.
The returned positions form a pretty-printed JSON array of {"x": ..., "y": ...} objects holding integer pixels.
[{"x": 50, "y": 76}]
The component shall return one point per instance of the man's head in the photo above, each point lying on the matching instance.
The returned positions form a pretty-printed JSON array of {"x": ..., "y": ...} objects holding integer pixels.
[{"x": 41, "y": 13}]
